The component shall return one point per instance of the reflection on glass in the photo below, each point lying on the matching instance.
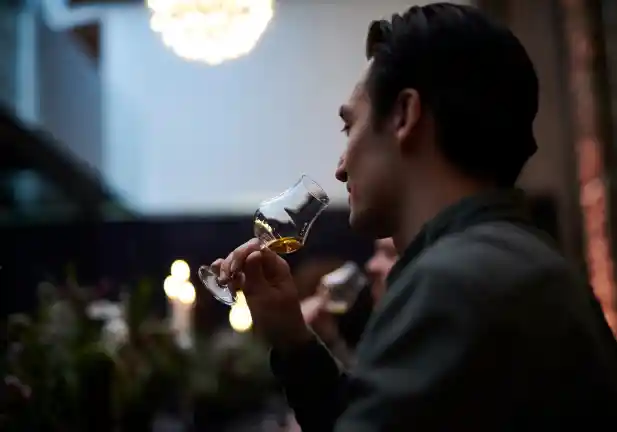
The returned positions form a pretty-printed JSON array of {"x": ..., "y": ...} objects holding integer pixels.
[{"x": 281, "y": 224}]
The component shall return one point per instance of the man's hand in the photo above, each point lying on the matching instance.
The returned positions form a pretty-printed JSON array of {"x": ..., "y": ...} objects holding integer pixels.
[{"x": 267, "y": 284}]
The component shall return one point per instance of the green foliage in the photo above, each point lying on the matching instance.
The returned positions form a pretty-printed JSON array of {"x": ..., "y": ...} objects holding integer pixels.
[{"x": 62, "y": 376}]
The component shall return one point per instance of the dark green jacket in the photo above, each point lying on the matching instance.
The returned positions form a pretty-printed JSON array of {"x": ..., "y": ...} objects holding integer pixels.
[{"x": 484, "y": 327}]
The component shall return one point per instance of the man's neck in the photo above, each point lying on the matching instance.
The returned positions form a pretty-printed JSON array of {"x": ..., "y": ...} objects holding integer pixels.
[{"x": 425, "y": 205}]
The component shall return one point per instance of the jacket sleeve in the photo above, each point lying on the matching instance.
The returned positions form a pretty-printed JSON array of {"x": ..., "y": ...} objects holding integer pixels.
[
  {"x": 424, "y": 347},
  {"x": 314, "y": 384}
]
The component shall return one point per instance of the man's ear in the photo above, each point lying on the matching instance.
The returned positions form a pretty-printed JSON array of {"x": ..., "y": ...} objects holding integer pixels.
[{"x": 407, "y": 113}]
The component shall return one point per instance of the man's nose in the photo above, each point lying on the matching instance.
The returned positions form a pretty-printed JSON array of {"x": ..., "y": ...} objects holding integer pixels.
[{"x": 341, "y": 170}]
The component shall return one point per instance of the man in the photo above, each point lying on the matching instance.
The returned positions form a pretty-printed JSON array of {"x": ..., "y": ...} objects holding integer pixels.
[{"x": 484, "y": 326}]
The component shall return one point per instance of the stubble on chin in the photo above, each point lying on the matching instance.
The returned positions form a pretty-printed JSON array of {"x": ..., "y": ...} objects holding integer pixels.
[
  {"x": 369, "y": 223},
  {"x": 359, "y": 222}
]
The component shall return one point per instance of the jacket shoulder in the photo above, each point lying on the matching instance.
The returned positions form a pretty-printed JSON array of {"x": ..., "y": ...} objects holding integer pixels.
[
  {"x": 488, "y": 264},
  {"x": 495, "y": 253}
]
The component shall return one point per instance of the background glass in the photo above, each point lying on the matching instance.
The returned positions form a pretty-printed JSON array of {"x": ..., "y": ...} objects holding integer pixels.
[{"x": 343, "y": 286}]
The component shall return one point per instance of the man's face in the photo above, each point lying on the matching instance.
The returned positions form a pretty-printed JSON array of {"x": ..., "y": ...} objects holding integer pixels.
[
  {"x": 369, "y": 165},
  {"x": 379, "y": 265}
]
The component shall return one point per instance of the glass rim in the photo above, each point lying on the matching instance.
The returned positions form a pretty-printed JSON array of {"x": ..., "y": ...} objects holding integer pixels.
[{"x": 314, "y": 189}]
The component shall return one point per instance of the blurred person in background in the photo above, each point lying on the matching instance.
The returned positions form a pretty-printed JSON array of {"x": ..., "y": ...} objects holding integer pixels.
[
  {"x": 379, "y": 265},
  {"x": 484, "y": 325},
  {"x": 314, "y": 297}
]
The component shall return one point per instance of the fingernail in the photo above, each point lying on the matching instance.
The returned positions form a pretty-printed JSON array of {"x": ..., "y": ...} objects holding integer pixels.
[
  {"x": 223, "y": 277},
  {"x": 233, "y": 267}
]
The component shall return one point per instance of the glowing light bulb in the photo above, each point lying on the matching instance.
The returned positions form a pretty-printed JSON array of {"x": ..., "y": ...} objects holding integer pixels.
[
  {"x": 240, "y": 315},
  {"x": 240, "y": 299},
  {"x": 180, "y": 270},
  {"x": 186, "y": 293},
  {"x": 211, "y": 31},
  {"x": 171, "y": 287}
]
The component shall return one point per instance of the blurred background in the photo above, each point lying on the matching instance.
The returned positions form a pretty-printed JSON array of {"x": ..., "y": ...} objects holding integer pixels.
[{"x": 132, "y": 140}]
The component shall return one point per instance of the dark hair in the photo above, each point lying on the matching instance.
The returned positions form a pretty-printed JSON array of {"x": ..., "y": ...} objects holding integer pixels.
[{"x": 472, "y": 74}]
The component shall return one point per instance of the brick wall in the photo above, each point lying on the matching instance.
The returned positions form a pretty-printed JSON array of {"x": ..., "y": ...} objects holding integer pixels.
[
  {"x": 573, "y": 44},
  {"x": 591, "y": 130},
  {"x": 551, "y": 171}
]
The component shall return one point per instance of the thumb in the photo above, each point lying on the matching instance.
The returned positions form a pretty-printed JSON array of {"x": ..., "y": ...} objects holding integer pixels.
[
  {"x": 253, "y": 272},
  {"x": 274, "y": 268}
]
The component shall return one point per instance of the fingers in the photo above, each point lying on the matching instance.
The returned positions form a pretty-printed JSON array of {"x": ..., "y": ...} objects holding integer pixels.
[
  {"x": 236, "y": 282},
  {"x": 215, "y": 267},
  {"x": 265, "y": 270},
  {"x": 235, "y": 260}
]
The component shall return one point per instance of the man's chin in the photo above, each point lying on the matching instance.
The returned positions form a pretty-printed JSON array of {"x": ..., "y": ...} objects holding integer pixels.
[
  {"x": 362, "y": 222},
  {"x": 368, "y": 223},
  {"x": 356, "y": 221}
]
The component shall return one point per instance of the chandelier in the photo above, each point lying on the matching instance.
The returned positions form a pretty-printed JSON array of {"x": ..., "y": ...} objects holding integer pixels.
[{"x": 210, "y": 31}]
